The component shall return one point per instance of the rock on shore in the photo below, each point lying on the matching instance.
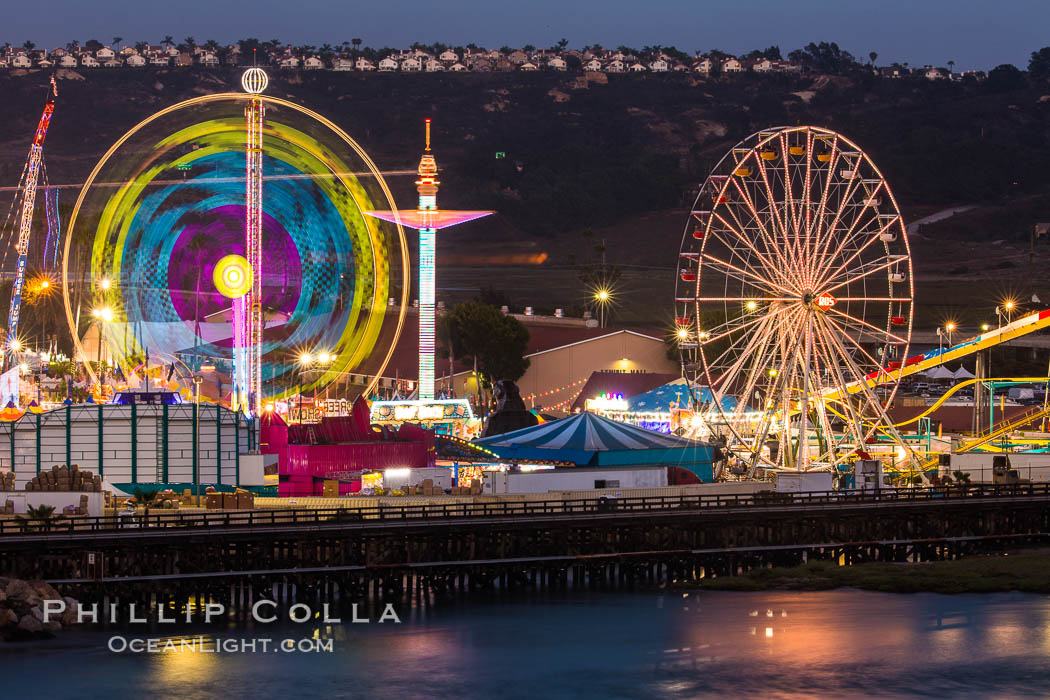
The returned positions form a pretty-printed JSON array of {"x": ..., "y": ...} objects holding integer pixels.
[{"x": 22, "y": 610}]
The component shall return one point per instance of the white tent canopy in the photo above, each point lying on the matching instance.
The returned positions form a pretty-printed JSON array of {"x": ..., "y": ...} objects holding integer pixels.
[
  {"x": 963, "y": 373},
  {"x": 939, "y": 372}
]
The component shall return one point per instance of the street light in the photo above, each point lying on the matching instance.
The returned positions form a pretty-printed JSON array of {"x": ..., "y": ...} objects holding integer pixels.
[
  {"x": 949, "y": 327},
  {"x": 603, "y": 296}
]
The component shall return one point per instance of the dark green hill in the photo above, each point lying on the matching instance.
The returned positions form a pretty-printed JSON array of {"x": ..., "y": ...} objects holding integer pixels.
[{"x": 600, "y": 153}]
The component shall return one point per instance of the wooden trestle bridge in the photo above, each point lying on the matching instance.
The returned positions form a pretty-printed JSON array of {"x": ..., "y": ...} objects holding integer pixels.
[{"x": 388, "y": 551}]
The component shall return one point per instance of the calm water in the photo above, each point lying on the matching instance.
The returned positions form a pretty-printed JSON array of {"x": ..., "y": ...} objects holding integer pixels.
[{"x": 597, "y": 645}]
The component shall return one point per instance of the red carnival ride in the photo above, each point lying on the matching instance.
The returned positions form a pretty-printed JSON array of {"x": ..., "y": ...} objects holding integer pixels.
[{"x": 341, "y": 448}]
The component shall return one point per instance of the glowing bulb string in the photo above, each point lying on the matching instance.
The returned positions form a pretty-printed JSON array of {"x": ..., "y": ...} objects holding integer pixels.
[{"x": 558, "y": 390}]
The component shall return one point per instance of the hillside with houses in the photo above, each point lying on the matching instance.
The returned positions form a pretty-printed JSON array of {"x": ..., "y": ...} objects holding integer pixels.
[{"x": 440, "y": 58}]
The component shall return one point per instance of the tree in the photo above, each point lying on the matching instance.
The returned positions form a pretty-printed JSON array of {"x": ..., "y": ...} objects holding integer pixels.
[
  {"x": 92, "y": 44},
  {"x": 116, "y": 42},
  {"x": 951, "y": 67},
  {"x": 190, "y": 42},
  {"x": 824, "y": 57},
  {"x": 44, "y": 515},
  {"x": 1039, "y": 64},
  {"x": 1005, "y": 78},
  {"x": 528, "y": 48},
  {"x": 562, "y": 43},
  {"x": 28, "y": 46},
  {"x": 872, "y": 56},
  {"x": 167, "y": 41},
  {"x": 493, "y": 341}
]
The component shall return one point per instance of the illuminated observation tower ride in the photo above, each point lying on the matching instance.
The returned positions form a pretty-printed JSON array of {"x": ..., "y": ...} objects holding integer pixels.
[{"x": 427, "y": 219}]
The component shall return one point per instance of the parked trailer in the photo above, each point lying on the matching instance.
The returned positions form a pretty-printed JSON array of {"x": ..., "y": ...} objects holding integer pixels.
[
  {"x": 574, "y": 479},
  {"x": 981, "y": 466}
]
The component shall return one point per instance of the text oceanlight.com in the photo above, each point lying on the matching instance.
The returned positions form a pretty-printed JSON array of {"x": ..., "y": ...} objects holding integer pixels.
[{"x": 206, "y": 645}]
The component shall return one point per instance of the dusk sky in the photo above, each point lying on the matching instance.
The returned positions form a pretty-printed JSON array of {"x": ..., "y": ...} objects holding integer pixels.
[{"x": 974, "y": 33}]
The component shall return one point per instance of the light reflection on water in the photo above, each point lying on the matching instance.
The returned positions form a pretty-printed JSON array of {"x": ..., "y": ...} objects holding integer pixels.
[{"x": 604, "y": 645}]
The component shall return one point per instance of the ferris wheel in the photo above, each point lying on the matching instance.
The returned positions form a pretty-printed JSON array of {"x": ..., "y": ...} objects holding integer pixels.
[{"x": 794, "y": 301}]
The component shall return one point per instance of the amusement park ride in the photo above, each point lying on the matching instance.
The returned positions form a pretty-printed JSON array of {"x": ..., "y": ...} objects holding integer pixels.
[
  {"x": 26, "y": 195},
  {"x": 795, "y": 303},
  {"x": 427, "y": 219},
  {"x": 794, "y": 299}
]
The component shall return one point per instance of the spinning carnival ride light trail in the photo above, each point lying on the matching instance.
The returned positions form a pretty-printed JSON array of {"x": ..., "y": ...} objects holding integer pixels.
[
  {"x": 794, "y": 281},
  {"x": 173, "y": 263}
]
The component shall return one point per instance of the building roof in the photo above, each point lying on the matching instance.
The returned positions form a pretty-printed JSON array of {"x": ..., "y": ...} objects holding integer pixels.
[
  {"x": 674, "y": 394},
  {"x": 585, "y": 431},
  {"x": 626, "y": 383},
  {"x": 542, "y": 338}
]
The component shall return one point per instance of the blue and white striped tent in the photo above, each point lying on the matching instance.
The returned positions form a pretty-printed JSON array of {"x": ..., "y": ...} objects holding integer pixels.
[
  {"x": 586, "y": 439},
  {"x": 674, "y": 395}
]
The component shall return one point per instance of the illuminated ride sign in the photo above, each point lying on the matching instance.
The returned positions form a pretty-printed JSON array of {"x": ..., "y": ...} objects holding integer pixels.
[
  {"x": 825, "y": 301},
  {"x": 606, "y": 402},
  {"x": 434, "y": 411}
]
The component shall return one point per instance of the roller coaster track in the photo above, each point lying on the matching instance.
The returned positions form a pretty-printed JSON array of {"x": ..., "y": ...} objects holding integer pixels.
[
  {"x": 962, "y": 385},
  {"x": 999, "y": 430},
  {"x": 920, "y": 363}
]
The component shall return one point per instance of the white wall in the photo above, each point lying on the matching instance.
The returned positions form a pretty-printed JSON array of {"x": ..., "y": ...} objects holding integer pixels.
[
  {"x": 58, "y": 499},
  {"x": 396, "y": 478},
  {"x": 573, "y": 479},
  {"x": 222, "y": 437}
]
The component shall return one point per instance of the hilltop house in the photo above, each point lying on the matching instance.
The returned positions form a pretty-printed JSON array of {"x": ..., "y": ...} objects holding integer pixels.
[
  {"x": 636, "y": 68},
  {"x": 313, "y": 63},
  {"x": 732, "y": 65},
  {"x": 364, "y": 64},
  {"x": 528, "y": 66},
  {"x": 288, "y": 62},
  {"x": 88, "y": 61},
  {"x": 705, "y": 66},
  {"x": 209, "y": 59},
  {"x": 557, "y": 63},
  {"x": 434, "y": 66},
  {"x": 67, "y": 61},
  {"x": 658, "y": 66},
  {"x": 614, "y": 66},
  {"x": 387, "y": 65},
  {"x": 21, "y": 61},
  {"x": 136, "y": 61},
  {"x": 342, "y": 64},
  {"x": 593, "y": 64},
  {"x": 448, "y": 56},
  {"x": 106, "y": 53},
  {"x": 411, "y": 65},
  {"x": 458, "y": 67}
]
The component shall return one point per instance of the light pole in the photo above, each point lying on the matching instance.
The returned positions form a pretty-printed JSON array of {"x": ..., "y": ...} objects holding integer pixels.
[
  {"x": 949, "y": 327},
  {"x": 102, "y": 315},
  {"x": 197, "y": 438},
  {"x": 602, "y": 297}
]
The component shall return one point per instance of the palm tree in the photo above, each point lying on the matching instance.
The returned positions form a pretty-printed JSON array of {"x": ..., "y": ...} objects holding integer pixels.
[
  {"x": 951, "y": 67},
  {"x": 872, "y": 56},
  {"x": 191, "y": 42},
  {"x": 357, "y": 45},
  {"x": 44, "y": 515},
  {"x": 116, "y": 42},
  {"x": 29, "y": 46},
  {"x": 167, "y": 41}
]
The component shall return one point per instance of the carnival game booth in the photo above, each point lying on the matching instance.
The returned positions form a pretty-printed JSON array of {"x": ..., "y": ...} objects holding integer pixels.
[
  {"x": 589, "y": 440},
  {"x": 340, "y": 449}
]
